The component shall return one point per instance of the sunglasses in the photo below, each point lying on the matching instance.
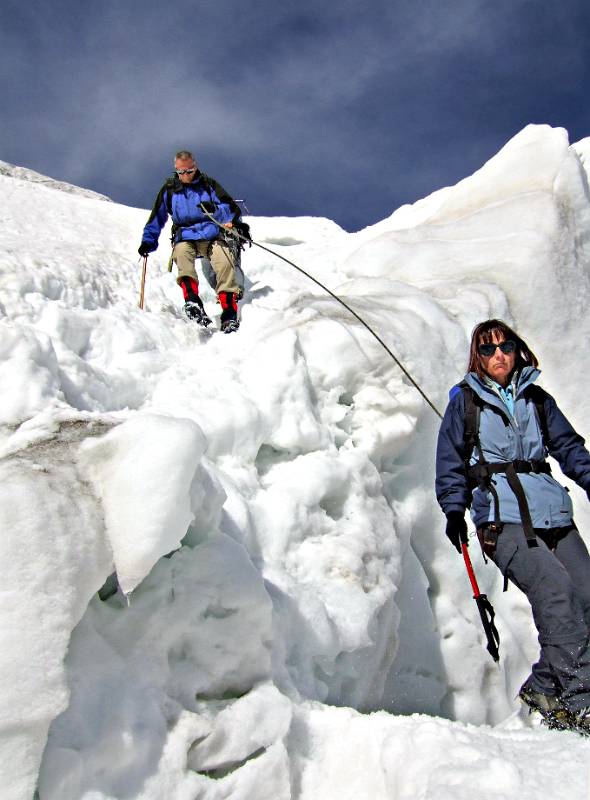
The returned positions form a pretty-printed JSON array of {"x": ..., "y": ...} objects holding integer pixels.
[
  {"x": 488, "y": 350},
  {"x": 185, "y": 171}
]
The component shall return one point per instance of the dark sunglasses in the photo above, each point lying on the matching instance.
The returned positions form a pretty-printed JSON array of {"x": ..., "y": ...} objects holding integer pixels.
[
  {"x": 185, "y": 171},
  {"x": 488, "y": 350}
]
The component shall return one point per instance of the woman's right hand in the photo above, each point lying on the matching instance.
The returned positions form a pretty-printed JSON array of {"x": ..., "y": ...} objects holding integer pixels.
[{"x": 456, "y": 529}]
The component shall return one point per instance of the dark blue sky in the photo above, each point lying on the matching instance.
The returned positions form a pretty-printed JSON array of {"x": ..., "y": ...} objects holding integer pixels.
[{"x": 342, "y": 109}]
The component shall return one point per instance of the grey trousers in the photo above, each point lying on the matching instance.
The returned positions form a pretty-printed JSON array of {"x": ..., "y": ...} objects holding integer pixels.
[
  {"x": 220, "y": 256},
  {"x": 555, "y": 576}
]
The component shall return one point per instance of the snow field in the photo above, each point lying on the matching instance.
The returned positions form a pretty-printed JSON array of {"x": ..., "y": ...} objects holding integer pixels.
[{"x": 294, "y": 463}]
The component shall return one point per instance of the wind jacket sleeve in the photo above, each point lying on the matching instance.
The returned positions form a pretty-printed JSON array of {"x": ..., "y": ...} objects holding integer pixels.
[
  {"x": 156, "y": 220},
  {"x": 566, "y": 445},
  {"x": 452, "y": 488}
]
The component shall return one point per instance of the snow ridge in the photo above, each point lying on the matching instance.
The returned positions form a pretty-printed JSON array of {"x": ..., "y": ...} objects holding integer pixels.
[
  {"x": 21, "y": 173},
  {"x": 288, "y": 620}
]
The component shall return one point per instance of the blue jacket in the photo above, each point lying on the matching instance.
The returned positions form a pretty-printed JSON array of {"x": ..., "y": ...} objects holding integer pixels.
[
  {"x": 505, "y": 438},
  {"x": 182, "y": 202}
]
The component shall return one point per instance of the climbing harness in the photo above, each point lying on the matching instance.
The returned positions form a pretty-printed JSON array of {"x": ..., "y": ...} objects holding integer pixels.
[{"x": 480, "y": 474}]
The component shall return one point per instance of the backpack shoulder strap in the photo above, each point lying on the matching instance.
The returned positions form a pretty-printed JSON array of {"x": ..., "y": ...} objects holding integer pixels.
[
  {"x": 209, "y": 183},
  {"x": 472, "y": 414},
  {"x": 168, "y": 188},
  {"x": 214, "y": 186},
  {"x": 538, "y": 396}
]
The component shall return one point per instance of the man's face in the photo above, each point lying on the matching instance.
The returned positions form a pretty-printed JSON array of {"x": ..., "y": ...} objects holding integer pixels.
[{"x": 182, "y": 164}]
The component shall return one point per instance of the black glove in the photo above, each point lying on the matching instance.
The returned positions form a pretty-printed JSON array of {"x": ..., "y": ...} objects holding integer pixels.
[
  {"x": 243, "y": 229},
  {"x": 144, "y": 248},
  {"x": 456, "y": 529}
]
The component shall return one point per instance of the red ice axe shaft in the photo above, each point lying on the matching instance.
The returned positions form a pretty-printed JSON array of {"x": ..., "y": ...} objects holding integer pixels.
[{"x": 486, "y": 611}]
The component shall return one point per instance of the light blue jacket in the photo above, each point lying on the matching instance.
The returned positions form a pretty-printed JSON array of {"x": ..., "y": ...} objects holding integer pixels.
[{"x": 505, "y": 437}]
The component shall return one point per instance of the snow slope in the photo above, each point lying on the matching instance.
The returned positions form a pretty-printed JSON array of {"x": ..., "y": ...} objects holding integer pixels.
[
  {"x": 266, "y": 501},
  {"x": 35, "y": 177}
]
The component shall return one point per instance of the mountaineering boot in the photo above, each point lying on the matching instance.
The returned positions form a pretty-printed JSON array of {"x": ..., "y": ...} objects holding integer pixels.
[
  {"x": 554, "y": 714},
  {"x": 194, "y": 310},
  {"x": 560, "y": 719},
  {"x": 230, "y": 325},
  {"x": 193, "y": 306},
  {"x": 229, "y": 314},
  {"x": 580, "y": 721}
]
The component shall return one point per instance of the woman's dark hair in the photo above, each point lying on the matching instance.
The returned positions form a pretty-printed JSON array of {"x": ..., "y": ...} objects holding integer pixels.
[{"x": 484, "y": 333}]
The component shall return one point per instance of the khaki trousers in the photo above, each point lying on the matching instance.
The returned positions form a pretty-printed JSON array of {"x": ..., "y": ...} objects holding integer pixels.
[{"x": 220, "y": 256}]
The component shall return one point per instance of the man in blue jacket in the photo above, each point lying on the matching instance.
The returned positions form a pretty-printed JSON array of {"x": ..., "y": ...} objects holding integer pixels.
[{"x": 200, "y": 209}]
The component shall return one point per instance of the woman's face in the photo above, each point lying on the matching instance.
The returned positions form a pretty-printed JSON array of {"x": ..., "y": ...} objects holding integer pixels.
[{"x": 499, "y": 365}]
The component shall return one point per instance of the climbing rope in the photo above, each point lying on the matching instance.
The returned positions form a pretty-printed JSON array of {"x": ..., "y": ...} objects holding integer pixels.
[{"x": 237, "y": 234}]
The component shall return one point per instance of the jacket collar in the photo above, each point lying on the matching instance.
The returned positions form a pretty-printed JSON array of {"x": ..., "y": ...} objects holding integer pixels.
[
  {"x": 178, "y": 185},
  {"x": 521, "y": 380}
]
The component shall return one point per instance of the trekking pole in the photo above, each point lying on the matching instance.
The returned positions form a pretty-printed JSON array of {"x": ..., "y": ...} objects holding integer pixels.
[
  {"x": 414, "y": 383},
  {"x": 142, "y": 288},
  {"x": 486, "y": 611}
]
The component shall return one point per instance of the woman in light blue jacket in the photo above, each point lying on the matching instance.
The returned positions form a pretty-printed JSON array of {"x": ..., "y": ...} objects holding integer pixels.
[{"x": 496, "y": 432}]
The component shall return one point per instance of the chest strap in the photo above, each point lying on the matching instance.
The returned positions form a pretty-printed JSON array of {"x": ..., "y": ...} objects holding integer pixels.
[{"x": 481, "y": 474}]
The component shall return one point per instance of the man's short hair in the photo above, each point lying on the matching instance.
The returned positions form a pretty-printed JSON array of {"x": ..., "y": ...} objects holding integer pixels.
[{"x": 184, "y": 155}]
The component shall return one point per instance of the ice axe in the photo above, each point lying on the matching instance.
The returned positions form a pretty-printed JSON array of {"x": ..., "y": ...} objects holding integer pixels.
[
  {"x": 486, "y": 611},
  {"x": 142, "y": 289}
]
